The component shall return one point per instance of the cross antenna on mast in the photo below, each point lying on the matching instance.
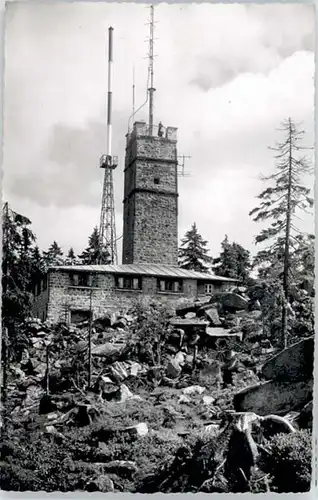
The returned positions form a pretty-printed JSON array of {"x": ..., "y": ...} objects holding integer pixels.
[
  {"x": 181, "y": 171},
  {"x": 151, "y": 88}
]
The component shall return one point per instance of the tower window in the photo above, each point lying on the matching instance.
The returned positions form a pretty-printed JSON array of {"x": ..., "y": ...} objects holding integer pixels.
[{"x": 156, "y": 180}]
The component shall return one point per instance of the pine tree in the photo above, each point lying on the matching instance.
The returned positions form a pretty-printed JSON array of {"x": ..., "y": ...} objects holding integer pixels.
[
  {"x": 233, "y": 262},
  {"x": 53, "y": 256},
  {"x": 16, "y": 265},
  {"x": 37, "y": 265},
  {"x": 193, "y": 253},
  {"x": 92, "y": 253},
  {"x": 71, "y": 259},
  {"x": 279, "y": 204}
]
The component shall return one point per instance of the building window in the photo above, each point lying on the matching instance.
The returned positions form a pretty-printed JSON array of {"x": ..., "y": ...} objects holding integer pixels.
[
  {"x": 170, "y": 285},
  {"x": 44, "y": 286},
  {"x": 218, "y": 286},
  {"x": 82, "y": 280},
  {"x": 208, "y": 288},
  {"x": 128, "y": 282},
  {"x": 156, "y": 180},
  {"x": 79, "y": 315}
]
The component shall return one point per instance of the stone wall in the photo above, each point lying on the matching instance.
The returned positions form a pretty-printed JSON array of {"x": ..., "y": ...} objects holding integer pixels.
[
  {"x": 63, "y": 297},
  {"x": 150, "y": 223},
  {"x": 217, "y": 287},
  {"x": 155, "y": 232}
]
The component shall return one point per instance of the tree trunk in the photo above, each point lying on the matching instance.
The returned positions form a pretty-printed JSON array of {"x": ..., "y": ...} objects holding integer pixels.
[
  {"x": 90, "y": 339},
  {"x": 286, "y": 253},
  {"x": 47, "y": 374},
  {"x": 4, "y": 379}
]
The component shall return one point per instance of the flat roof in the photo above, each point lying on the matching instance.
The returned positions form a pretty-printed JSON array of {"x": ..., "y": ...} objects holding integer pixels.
[{"x": 144, "y": 270}]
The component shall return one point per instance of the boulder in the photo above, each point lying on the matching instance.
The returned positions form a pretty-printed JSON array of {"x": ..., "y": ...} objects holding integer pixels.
[
  {"x": 104, "y": 322},
  {"x": 193, "y": 389},
  {"x": 167, "y": 382},
  {"x": 273, "y": 397},
  {"x": 219, "y": 332},
  {"x": 212, "y": 429},
  {"x": 119, "y": 371},
  {"x": 17, "y": 372},
  {"x": 254, "y": 305},
  {"x": 190, "y": 315},
  {"x": 173, "y": 369},
  {"x": 189, "y": 323},
  {"x": 208, "y": 400},
  {"x": 123, "y": 394},
  {"x": 81, "y": 346},
  {"x": 134, "y": 369},
  {"x": 273, "y": 424},
  {"x": 100, "y": 483},
  {"x": 50, "y": 429},
  {"x": 121, "y": 467},
  {"x": 180, "y": 358},
  {"x": 33, "y": 395},
  {"x": 292, "y": 364},
  {"x": 184, "y": 399},
  {"x": 255, "y": 314},
  {"x": 37, "y": 343},
  {"x": 231, "y": 321},
  {"x": 121, "y": 322},
  {"x": 211, "y": 314},
  {"x": 46, "y": 405},
  {"x": 109, "y": 350},
  {"x": 85, "y": 414},
  {"x": 138, "y": 430},
  {"x": 305, "y": 418},
  {"x": 176, "y": 336},
  {"x": 182, "y": 311},
  {"x": 230, "y": 301}
]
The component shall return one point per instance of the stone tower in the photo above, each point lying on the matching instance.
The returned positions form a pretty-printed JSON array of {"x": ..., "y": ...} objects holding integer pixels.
[{"x": 151, "y": 197}]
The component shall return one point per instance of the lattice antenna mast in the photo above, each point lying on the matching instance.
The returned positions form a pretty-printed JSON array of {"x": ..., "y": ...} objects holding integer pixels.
[
  {"x": 107, "y": 226},
  {"x": 151, "y": 88}
]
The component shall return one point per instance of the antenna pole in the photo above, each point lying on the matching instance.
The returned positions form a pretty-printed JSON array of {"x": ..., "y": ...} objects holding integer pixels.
[
  {"x": 151, "y": 89},
  {"x": 133, "y": 89},
  {"x": 110, "y": 91}
]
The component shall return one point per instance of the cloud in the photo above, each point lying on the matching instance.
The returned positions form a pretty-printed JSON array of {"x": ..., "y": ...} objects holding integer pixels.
[{"x": 226, "y": 76}]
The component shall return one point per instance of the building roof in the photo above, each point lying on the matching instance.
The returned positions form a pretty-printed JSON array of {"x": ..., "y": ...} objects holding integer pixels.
[{"x": 145, "y": 270}]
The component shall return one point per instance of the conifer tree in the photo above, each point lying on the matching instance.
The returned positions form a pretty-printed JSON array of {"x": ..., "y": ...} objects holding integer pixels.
[
  {"x": 37, "y": 265},
  {"x": 17, "y": 244},
  {"x": 193, "y": 253},
  {"x": 93, "y": 253},
  {"x": 233, "y": 262},
  {"x": 279, "y": 204},
  {"x": 53, "y": 256},
  {"x": 71, "y": 259}
]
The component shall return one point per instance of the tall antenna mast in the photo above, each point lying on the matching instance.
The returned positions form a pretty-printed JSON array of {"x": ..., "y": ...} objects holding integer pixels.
[
  {"x": 107, "y": 226},
  {"x": 133, "y": 90},
  {"x": 151, "y": 89}
]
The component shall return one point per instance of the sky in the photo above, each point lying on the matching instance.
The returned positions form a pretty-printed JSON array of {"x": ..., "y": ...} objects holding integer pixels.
[{"x": 225, "y": 75}]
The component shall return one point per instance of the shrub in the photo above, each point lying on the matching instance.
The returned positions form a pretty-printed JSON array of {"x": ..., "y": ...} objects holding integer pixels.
[{"x": 289, "y": 462}]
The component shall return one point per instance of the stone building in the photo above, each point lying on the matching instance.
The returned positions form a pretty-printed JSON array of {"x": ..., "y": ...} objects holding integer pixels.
[
  {"x": 150, "y": 244},
  {"x": 69, "y": 293}
]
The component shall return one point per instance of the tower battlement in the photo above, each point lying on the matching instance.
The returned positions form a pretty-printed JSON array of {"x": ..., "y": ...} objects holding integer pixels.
[{"x": 141, "y": 129}]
